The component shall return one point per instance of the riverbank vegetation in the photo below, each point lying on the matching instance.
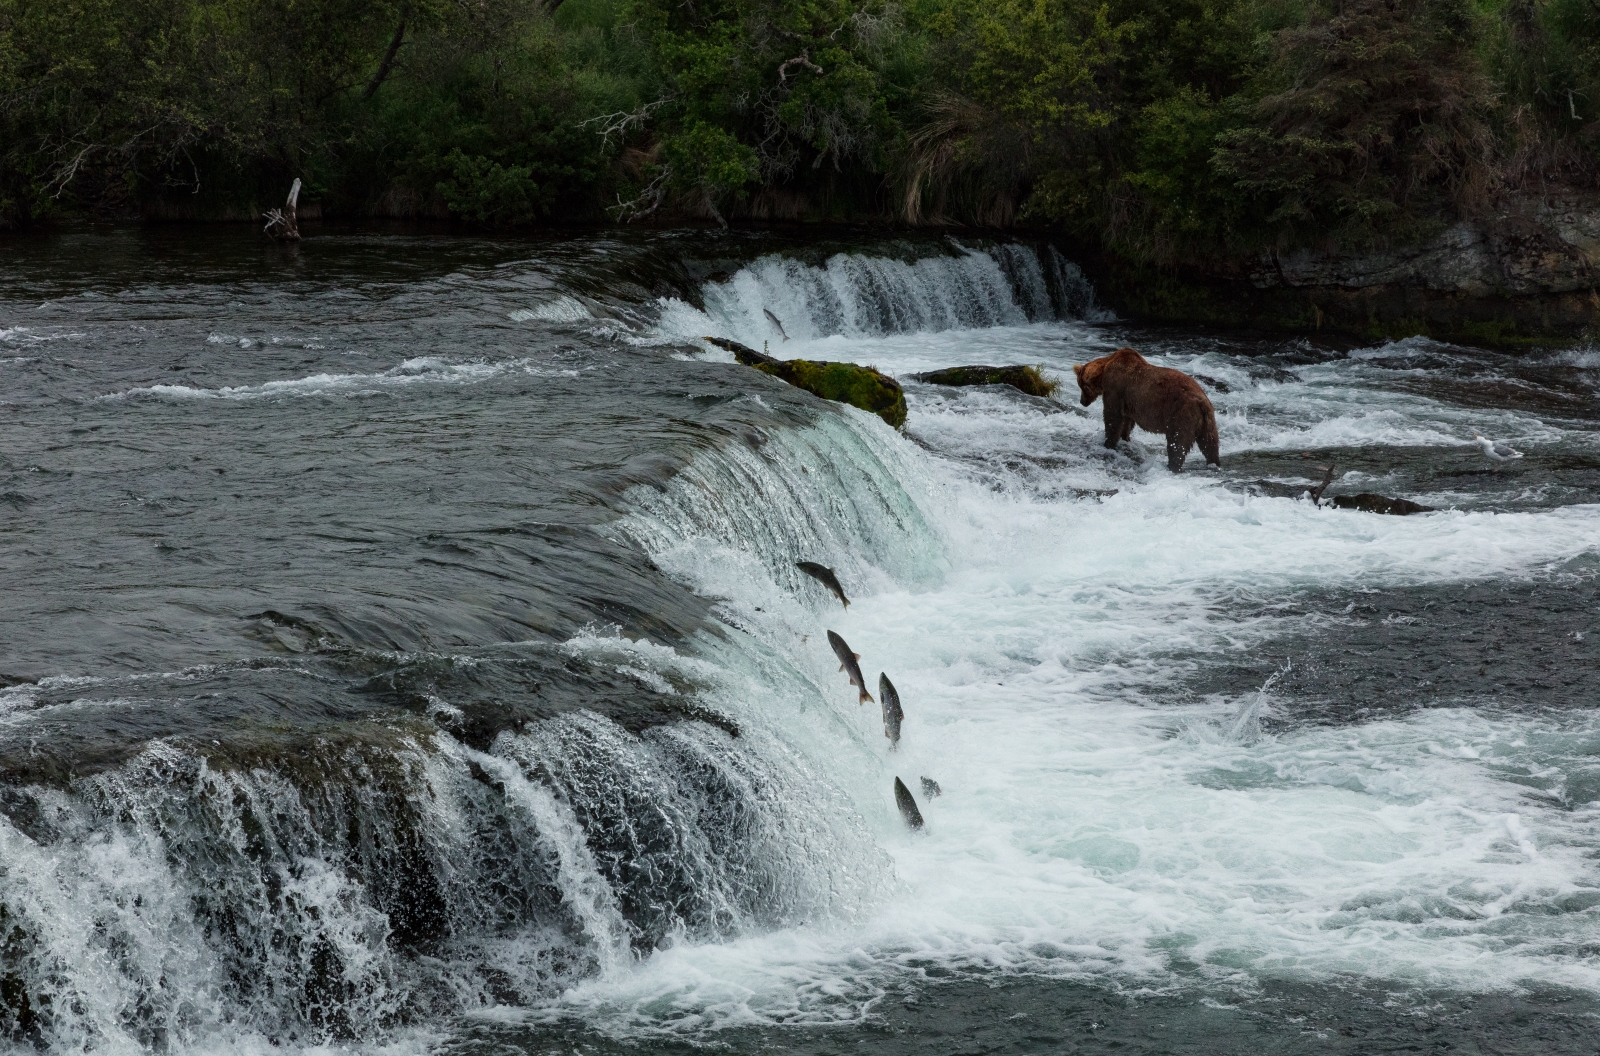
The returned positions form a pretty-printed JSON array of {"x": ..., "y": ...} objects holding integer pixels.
[{"x": 1156, "y": 128}]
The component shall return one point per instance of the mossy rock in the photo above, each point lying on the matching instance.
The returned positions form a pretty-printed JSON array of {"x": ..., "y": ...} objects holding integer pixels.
[
  {"x": 1370, "y": 503},
  {"x": 1023, "y": 379},
  {"x": 849, "y": 383}
]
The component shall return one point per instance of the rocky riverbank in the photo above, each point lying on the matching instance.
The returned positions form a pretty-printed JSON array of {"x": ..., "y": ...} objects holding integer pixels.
[{"x": 1525, "y": 275}]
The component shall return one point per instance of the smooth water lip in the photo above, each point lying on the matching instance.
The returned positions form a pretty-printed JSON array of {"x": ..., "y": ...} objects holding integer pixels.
[
  {"x": 565, "y": 309},
  {"x": 416, "y": 371}
]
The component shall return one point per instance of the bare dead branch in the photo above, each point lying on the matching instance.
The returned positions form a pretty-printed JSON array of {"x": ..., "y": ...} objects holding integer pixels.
[
  {"x": 617, "y": 124},
  {"x": 70, "y": 170},
  {"x": 802, "y": 59},
  {"x": 648, "y": 201}
]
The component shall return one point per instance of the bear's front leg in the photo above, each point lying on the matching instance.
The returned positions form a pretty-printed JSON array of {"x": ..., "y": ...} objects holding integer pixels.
[{"x": 1113, "y": 417}]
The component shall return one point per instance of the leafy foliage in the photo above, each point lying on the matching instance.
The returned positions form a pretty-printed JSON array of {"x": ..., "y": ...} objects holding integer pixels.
[
  {"x": 1159, "y": 128},
  {"x": 1381, "y": 116}
]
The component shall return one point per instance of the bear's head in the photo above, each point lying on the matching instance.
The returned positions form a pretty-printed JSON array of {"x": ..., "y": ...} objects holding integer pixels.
[{"x": 1089, "y": 378}]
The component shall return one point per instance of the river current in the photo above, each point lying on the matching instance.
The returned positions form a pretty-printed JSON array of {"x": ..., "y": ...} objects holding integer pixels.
[{"x": 401, "y": 651}]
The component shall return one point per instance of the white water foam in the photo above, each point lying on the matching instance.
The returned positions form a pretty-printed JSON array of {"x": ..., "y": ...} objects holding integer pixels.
[
  {"x": 32, "y": 335},
  {"x": 421, "y": 370},
  {"x": 1097, "y": 823}
]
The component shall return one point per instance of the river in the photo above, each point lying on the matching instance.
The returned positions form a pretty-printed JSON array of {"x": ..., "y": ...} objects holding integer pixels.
[{"x": 402, "y": 651}]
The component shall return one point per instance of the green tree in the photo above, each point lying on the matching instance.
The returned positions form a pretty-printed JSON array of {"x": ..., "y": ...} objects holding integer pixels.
[
  {"x": 1374, "y": 118},
  {"x": 773, "y": 91}
]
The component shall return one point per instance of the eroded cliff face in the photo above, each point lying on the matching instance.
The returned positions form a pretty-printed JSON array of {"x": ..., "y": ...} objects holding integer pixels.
[
  {"x": 1548, "y": 248},
  {"x": 1527, "y": 274}
]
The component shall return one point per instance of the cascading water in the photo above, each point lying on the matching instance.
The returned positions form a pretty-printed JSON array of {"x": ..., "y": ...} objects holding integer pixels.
[
  {"x": 855, "y": 295},
  {"x": 472, "y": 700}
]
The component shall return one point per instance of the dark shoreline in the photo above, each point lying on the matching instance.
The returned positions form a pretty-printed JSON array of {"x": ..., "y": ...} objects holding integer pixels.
[{"x": 1548, "y": 302}]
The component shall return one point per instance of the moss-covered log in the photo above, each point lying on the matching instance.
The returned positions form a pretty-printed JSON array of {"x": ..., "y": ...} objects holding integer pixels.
[
  {"x": 863, "y": 387},
  {"x": 849, "y": 383},
  {"x": 1023, "y": 379}
]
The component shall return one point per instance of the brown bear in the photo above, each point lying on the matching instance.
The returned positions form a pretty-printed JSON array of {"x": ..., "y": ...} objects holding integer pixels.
[{"x": 1157, "y": 399}]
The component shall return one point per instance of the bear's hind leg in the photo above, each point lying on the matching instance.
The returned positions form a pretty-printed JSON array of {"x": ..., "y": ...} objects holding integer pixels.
[
  {"x": 1178, "y": 443},
  {"x": 1207, "y": 439}
]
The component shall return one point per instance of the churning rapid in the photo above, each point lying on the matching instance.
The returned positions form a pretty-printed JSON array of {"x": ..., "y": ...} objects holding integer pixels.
[{"x": 403, "y": 648}]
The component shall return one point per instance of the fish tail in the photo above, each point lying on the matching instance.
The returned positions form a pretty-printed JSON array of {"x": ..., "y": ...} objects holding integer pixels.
[{"x": 866, "y": 698}]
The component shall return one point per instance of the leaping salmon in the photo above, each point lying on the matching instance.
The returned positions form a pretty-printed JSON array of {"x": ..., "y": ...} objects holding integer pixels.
[
  {"x": 907, "y": 805},
  {"x": 824, "y": 575},
  {"x": 774, "y": 321},
  {"x": 847, "y": 662},
  {"x": 892, "y": 715}
]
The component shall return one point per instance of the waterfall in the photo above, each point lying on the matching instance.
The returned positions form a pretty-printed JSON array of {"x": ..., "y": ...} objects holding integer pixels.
[
  {"x": 856, "y": 295},
  {"x": 358, "y": 884},
  {"x": 344, "y": 878}
]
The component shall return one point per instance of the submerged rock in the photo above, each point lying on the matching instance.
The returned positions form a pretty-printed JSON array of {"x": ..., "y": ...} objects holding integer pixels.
[
  {"x": 1023, "y": 379},
  {"x": 863, "y": 387},
  {"x": 1371, "y": 503},
  {"x": 1210, "y": 382}
]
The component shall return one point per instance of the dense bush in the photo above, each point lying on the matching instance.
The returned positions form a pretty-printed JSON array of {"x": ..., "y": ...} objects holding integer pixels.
[{"x": 1161, "y": 128}]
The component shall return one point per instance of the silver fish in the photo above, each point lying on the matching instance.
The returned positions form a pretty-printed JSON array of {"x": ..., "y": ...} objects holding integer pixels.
[
  {"x": 847, "y": 662},
  {"x": 824, "y": 575},
  {"x": 930, "y": 788},
  {"x": 774, "y": 321},
  {"x": 907, "y": 805},
  {"x": 892, "y": 715}
]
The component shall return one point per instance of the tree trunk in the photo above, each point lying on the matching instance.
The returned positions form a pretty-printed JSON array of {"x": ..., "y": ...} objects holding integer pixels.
[
  {"x": 387, "y": 64},
  {"x": 284, "y": 224}
]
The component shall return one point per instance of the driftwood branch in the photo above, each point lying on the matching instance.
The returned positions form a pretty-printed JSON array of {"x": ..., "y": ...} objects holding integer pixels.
[
  {"x": 802, "y": 59},
  {"x": 387, "y": 64},
  {"x": 284, "y": 224}
]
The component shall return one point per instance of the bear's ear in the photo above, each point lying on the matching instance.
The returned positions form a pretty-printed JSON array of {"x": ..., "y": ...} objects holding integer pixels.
[{"x": 1077, "y": 368}]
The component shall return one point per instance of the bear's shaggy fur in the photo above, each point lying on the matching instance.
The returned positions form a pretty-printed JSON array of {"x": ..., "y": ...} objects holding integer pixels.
[{"x": 1157, "y": 399}]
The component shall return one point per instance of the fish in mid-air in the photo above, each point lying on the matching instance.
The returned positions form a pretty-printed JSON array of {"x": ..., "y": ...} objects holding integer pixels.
[
  {"x": 892, "y": 715},
  {"x": 847, "y": 662},
  {"x": 930, "y": 788},
  {"x": 907, "y": 805},
  {"x": 774, "y": 321},
  {"x": 824, "y": 575}
]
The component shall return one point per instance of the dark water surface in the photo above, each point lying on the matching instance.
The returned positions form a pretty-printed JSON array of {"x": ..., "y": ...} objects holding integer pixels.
[{"x": 401, "y": 648}]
